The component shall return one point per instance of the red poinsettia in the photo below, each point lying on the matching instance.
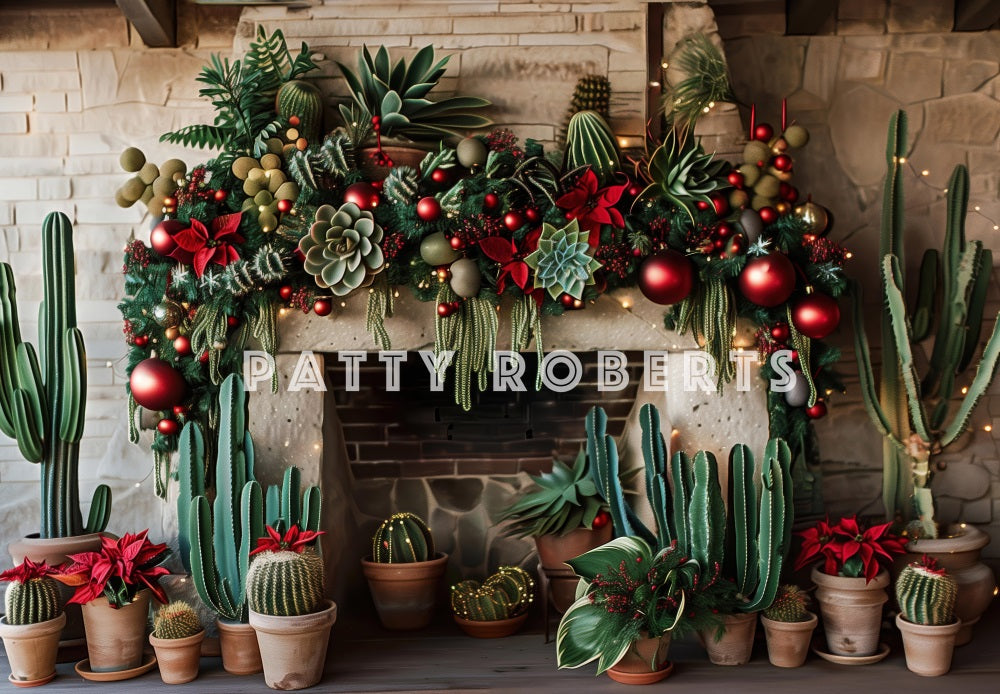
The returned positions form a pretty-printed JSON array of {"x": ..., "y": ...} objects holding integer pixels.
[
  {"x": 213, "y": 246},
  {"x": 27, "y": 571},
  {"x": 591, "y": 207},
  {"x": 511, "y": 256},
  {"x": 847, "y": 549},
  {"x": 118, "y": 571},
  {"x": 294, "y": 539}
]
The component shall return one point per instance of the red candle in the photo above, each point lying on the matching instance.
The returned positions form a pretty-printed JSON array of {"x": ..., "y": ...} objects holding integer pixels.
[{"x": 753, "y": 119}]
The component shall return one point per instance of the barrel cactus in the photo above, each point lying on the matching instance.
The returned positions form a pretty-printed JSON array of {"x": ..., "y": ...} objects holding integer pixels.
[
  {"x": 303, "y": 101},
  {"x": 402, "y": 538},
  {"x": 507, "y": 593},
  {"x": 286, "y": 576},
  {"x": 590, "y": 142},
  {"x": 926, "y": 593},
  {"x": 176, "y": 620},
  {"x": 33, "y": 596},
  {"x": 563, "y": 262},
  {"x": 592, "y": 93},
  {"x": 342, "y": 248},
  {"x": 789, "y": 605}
]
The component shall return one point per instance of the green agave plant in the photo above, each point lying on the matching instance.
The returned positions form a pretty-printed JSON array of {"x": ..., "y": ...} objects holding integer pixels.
[
  {"x": 396, "y": 93},
  {"x": 682, "y": 172},
  {"x": 566, "y": 499}
]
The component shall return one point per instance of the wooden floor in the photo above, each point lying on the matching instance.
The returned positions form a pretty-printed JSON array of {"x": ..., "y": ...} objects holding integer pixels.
[{"x": 442, "y": 659}]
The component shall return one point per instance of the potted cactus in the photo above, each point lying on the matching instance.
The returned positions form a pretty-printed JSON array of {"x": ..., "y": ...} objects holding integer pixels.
[
  {"x": 788, "y": 627},
  {"x": 911, "y": 412},
  {"x": 495, "y": 608},
  {"x": 403, "y": 572},
  {"x": 590, "y": 142},
  {"x": 926, "y": 594},
  {"x": 176, "y": 639},
  {"x": 288, "y": 612},
  {"x": 32, "y": 623},
  {"x": 566, "y": 517},
  {"x": 390, "y": 101}
]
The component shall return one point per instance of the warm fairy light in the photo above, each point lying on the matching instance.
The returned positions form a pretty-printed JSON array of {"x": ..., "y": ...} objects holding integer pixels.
[
  {"x": 343, "y": 304},
  {"x": 965, "y": 389},
  {"x": 282, "y": 311},
  {"x": 287, "y": 443},
  {"x": 664, "y": 64},
  {"x": 976, "y": 208},
  {"x": 902, "y": 160},
  {"x": 622, "y": 142},
  {"x": 316, "y": 446},
  {"x": 988, "y": 428},
  {"x": 925, "y": 172},
  {"x": 848, "y": 255},
  {"x": 654, "y": 84},
  {"x": 625, "y": 304}
]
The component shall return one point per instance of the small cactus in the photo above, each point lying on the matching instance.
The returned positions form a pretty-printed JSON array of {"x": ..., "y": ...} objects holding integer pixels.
[
  {"x": 402, "y": 538},
  {"x": 33, "y": 596},
  {"x": 507, "y": 593},
  {"x": 176, "y": 620},
  {"x": 789, "y": 605},
  {"x": 926, "y": 594},
  {"x": 286, "y": 577},
  {"x": 592, "y": 93}
]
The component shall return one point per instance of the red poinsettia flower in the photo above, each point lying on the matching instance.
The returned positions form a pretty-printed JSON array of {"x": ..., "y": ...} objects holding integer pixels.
[
  {"x": 213, "y": 246},
  {"x": 816, "y": 543},
  {"x": 294, "y": 540},
  {"x": 511, "y": 256},
  {"x": 118, "y": 571},
  {"x": 869, "y": 545},
  {"x": 591, "y": 207},
  {"x": 27, "y": 570}
]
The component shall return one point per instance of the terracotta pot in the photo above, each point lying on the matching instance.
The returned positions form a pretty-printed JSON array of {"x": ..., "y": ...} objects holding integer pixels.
[
  {"x": 736, "y": 644},
  {"x": 294, "y": 648},
  {"x": 959, "y": 553},
  {"x": 240, "y": 652},
  {"x": 491, "y": 630},
  {"x": 115, "y": 637},
  {"x": 644, "y": 662},
  {"x": 928, "y": 649},
  {"x": 400, "y": 155},
  {"x": 178, "y": 659},
  {"x": 54, "y": 551},
  {"x": 405, "y": 594},
  {"x": 31, "y": 649},
  {"x": 852, "y": 611},
  {"x": 555, "y": 550},
  {"x": 788, "y": 642}
]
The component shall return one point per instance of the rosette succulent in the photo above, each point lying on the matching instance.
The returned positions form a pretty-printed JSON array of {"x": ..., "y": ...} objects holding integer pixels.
[
  {"x": 682, "y": 172},
  {"x": 342, "y": 248},
  {"x": 563, "y": 262}
]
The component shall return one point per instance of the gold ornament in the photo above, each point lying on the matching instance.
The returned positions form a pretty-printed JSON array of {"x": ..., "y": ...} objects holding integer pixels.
[
  {"x": 168, "y": 313},
  {"x": 172, "y": 333},
  {"x": 815, "y": 216}
]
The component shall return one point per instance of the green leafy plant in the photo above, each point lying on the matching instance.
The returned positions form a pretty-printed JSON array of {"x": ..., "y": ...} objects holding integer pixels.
[
  {"x": 342, "y": 248},
  {"x": 789, "y": 605},
  {"x": 705, "y": 83},
  {"x": 176, "y": 620},
  {"x": 565, "y": 499},
  {"x": 33, "y": 595},
  {"x": 402, "y": 538},
  {"x": 563, "y": 262},
  {"x": 681, "y": 171},
  {"x": 926, "y": 593},
  {"x": 507, "y": 593}
]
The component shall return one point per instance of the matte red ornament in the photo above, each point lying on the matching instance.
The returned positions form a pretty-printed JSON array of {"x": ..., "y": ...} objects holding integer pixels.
[
  {"x": 293, "y": 120},
  {"x": 322, "y": 307},
  {"x": 767, "y": 215},
  {"x": 721, "y": 205},
  {"x": 141, "y": 340},
  {"x": 780, "y": 332},
  {"x": 763, "y": 132},
  {"x": 532, "y": 214},
  {"x": 513, "y": 221},
  {"x": 168, "y": 427},
  {"x": 362, "y": 194},
  {"x": 817, "y": 411},
  {"x": 490, "y": 201},
  {"x": 816, "y": 315},
  {"x": 232, "y": 321},
  {"x": 182, "y": 345},
  {"x": 782, "y": 162},
  {"x": 428, "y": 209},
  {"x": 285, "y": 292},
  {"x": 439, "y": 175},
  {"x": 220, "y": 195},
  {"x": 284, "y": 205},
  {"x": 666, "y": 277},
  {"x": 768, "y": 280},
  {"x": 161, "y": 238},
  {"x": 735, "y": 179},
  {"x": 156, "y": 385}
]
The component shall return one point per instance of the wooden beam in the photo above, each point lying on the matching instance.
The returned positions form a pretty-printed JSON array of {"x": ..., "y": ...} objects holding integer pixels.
[
  {"x": 976, "y": 15},
  {"x": 810, "y": 17},
  {"x": 155, "y": 20}
]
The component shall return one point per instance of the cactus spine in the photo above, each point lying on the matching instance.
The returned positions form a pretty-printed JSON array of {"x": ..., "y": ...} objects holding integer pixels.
[
  {"x": 402, "y": 538},
  {"x": 33, "y": 601},
  {"x": 592, "y": 93},
  {"x": 926, "y": 594},
  {"x": 176, "y": 620},
  {"x": 589, "y": 142},
  {"x": 789, "y": 605},
  {"x": 913, "y": 430},
  {"x": 43, "y": 400},
  {"x": 507, "y": 593},
  {"x": 285, "y": 583}
]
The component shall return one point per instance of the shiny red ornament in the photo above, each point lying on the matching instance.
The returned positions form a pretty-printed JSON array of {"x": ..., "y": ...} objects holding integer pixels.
[
  {"x": 439, "y": 175},
  {"x": 513, "y": 221},
  {"x": 763, "y": 132},
  {"x": 795, "y": 356},
  {"x": 723, "y": 231},
  {"x": 182, "y": 345},
  {"x": 490, "y": 201},
  {"x": 156, "y": 385},
  {"x": 566, "y": 300},
  {"x": 170, "y": 202},
  {"x": 362, "y": 194},
  {"x": 232, "y": 321},
  {"x": 817, "y": 411},
  {"x": 220, "y": 195},
  {"x": 767, "y": 215},
  {"x": 161, "y": 238},
  {"x": 180, "y": 410},
  {"x": 284, "y": 205},
  {"x": 204, "y": 357},
  {"x": 816, "y": 315},
  {"x": 322, "y": 307},
  {"x": 780, "y": 332},
  {"x": 141, "y": 340},
  {"x": 445, "y": 309},
  {"x": 285, "y": 292},
  {"x": 428, "y": 209},
  {"x": 456, "y": 242},
  {"x": 721, "y": 205},
  {"x": 293, "y": 120},
  {"x": 702, "y": 205},
  {"x": 168, "y": 427},
  {"x": 788, "y": 193},
  {"x": 768, "y": 280},
  {"x": 532, "y": 214},
  {"x": 634, "y": 190},
  {"x": 735, "y": 179},
  {"x": 601, "y": 519},
  {"x": 782, "y": 162},
  {"x": 666, "y": 277}
]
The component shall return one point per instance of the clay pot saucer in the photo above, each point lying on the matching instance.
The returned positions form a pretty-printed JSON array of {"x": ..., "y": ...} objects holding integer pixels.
[
  {"x": 495, "y": 629},
  {"x": 642, "y": 677},
  {"x": 883, "y": 651},
  {"x": 83, "y": 670},
  {"x": 30, "y": 683}
]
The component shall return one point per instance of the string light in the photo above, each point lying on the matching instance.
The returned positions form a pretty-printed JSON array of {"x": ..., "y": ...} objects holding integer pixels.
[
  {"x": 924, "y": 173},
  {"x": 988, "y": 428}
]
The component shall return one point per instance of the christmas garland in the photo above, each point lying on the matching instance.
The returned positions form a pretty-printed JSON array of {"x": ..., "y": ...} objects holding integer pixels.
[{"x": 286, "y": 218}]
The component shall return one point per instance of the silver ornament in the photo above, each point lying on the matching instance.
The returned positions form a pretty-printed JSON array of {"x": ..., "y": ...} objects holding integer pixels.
[
  {"x": 168, "y": 313},
  {"x": 798, "y": 396},
  {"x": 750, "y": 223},
  {"x": 465, "y": 278},
  {"x": 471, "y": 152}
]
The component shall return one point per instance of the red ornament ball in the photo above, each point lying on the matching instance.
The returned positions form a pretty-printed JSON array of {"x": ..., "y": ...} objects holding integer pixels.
[
  {"x": 428, "y": 209},
  {"x": 170, "y": 202},
  {"x": 817, "y": 411},
  {"x": 294, "y": 120},
  {"x": 513, "y": 221},
  {"x": 787, "y": 192},
  {"x": 161, "y": 238},
  {"x": 634, "y": 190},
  {"x": 445, "y": 309},
  {"x": 182, "y": 345},
  {"x": 490, "y": 201},
  {"x": 439, "y": 175},
  {"x": 768, "y": 280},
  {"x": 735, "y": 179},
  {"x": 322, "y": 307},
  {"x": 782, "y": 162},
  {"x": 220, "y": 195},
  {"x": 285, "y": 292},
  {"x": 816, "y": 315},
  {"x": 723, "y": 231},
  {"x": 666, "y": 277},
  {"x": 457, "y": 243},
  {"x": 204, "y": 357},
  {"x": 601, "y": 519},
  {"x": 232, "y": 321},
  {"x": 299, "y": 255},
  {"x": 141, "y": 340},
  {"x": 763, "y": 132},
  {"x": 168, "y": 427},
  {"x": 767, "y": 215},
  {"x": 780, "y": 332},
  {"x": 362, "y": 194},
  {"x": 721, "y": 205},
  {"x": 566, "y": 300},
  {"x": 702, "y": 205},
  {"x": 532, "y": 214},
  {"x": 180, "y": 410},
  {"x": 156, "y": 385},
  {"x": 284, "y": 205}
]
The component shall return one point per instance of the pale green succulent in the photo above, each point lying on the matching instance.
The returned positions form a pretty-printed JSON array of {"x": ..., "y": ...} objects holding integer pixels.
[
  {"x": 342, "y": 248},
  {"x": 682, "y": 172},
  {"x": 563, "y": 262}
]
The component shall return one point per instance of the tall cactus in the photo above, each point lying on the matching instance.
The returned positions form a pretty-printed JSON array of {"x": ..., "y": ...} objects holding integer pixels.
[
  {"x": 911, "y": 414},
  {"x": 43, "y": 401}
]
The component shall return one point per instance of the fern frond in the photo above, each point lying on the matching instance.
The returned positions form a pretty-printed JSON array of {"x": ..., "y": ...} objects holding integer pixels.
[{"x": 201, "y": 136}]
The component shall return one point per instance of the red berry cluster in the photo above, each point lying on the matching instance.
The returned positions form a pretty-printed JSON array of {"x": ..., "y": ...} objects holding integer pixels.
[
  {"x": 478, "y": 226},
  {"x": 503, "y": 140},
  {"x": 615, "y": 258},
  {"x": 195, "y": 190},
  {"x": 136, "y": 253},
  {"x": 301, "y": 299},
  {"x": 393, "y": 245},
  {"x": 772, "y": 338},
  {"x": 823, "y": 250}
]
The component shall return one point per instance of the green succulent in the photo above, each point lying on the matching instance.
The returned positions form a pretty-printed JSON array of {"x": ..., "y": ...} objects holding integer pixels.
[
  {"x": 342, "y": 248},
  {"x": 396, "y": 93},
  {"x": 563, "y": 262},
  {"x": 681, "y": 172},
  {"x": 566, "y": 499}
]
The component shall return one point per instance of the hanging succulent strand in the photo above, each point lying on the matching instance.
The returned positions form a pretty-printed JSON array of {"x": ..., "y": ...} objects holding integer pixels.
[
  {"x": 472, "y": 333},
  {"x": 264, "y": 328},
  {"x": 710, "y": 314},
  {"x": 525, "y": 321},
  {"x": 380, "y": 307},
  {"x": 802, "y": 345}
]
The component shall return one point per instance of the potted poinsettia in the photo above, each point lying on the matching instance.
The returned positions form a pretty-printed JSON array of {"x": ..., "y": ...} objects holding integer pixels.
[
  {"x": 851, "y": 583},
  {"x": 32, "y": 623},
  {"x": 114, "y": 586}
]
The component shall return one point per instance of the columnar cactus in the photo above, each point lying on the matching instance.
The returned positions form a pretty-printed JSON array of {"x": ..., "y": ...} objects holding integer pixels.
[
  {"x": 926, "y": 594},
  {"x": 507, "y": 593},
  {"x": 402, "y": 538},
  {"x": 176, "y": 620},
  {"x": 909, "y": 413},
  {"x": 590, "y": 142},
  {"x": 789, "y": 605},
  {"x": 43, "y": 401},
  {"x": 33, "y": 601},
  {"x": 286, "y": 583}
]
